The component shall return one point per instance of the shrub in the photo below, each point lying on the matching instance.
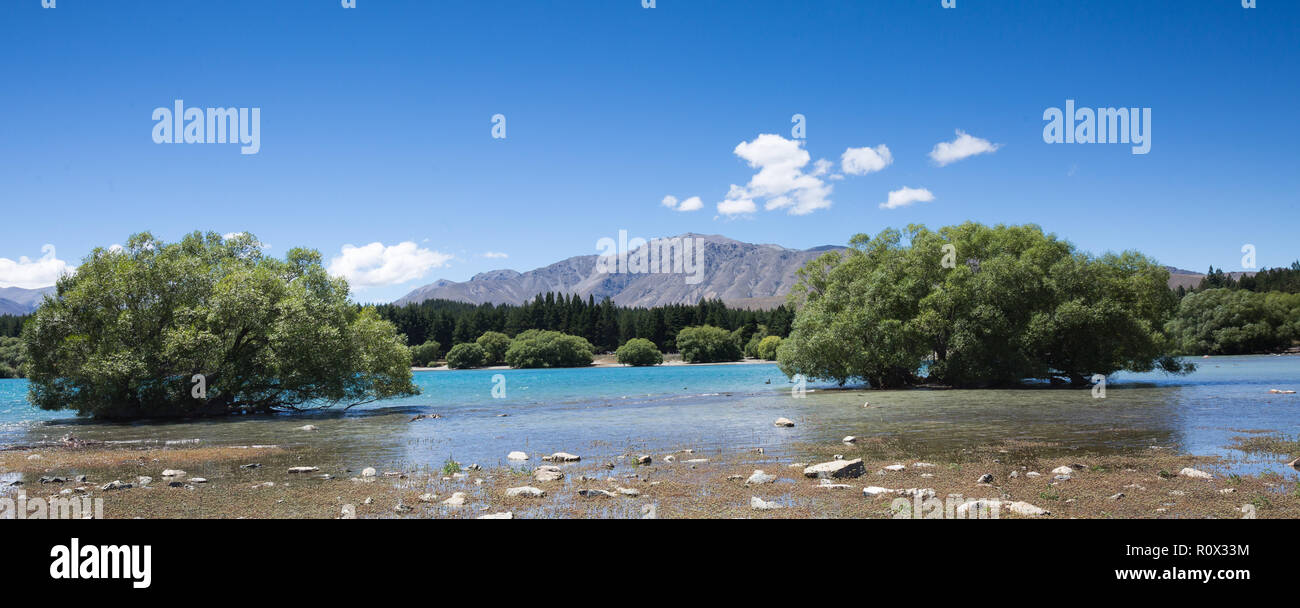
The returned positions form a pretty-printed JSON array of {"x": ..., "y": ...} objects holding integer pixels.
[
  {"x": 494, "y": 344},
  {"x": 537, "y": 348},
  {"x": 707, "y": 344},
  {"x": 465, "y": 356},
  {"x": 639, "y": 352},
  {"x": 425, "y": 354},
  {"x": 767, "y": 348}
]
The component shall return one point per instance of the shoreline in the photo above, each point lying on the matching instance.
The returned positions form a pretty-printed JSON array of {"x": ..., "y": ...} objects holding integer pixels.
[
  {"x": 601, "y": 361},
  {"x": 689, "y": 482}
]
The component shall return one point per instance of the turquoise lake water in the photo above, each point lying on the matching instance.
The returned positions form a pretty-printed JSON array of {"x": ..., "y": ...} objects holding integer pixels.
[{"x": 602, "y": 412}]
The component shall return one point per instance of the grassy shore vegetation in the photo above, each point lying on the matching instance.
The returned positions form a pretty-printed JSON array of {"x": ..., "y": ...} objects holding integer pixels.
[
  {"x": 132, "y": 329},
  {"x": 974, "y": 306}
]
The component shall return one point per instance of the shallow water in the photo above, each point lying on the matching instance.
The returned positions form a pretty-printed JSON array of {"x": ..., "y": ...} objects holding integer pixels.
[{"x": 601, "y": 412}]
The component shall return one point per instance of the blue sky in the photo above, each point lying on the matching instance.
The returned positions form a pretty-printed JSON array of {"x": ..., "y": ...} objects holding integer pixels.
[{"x": 376, "y": 125}]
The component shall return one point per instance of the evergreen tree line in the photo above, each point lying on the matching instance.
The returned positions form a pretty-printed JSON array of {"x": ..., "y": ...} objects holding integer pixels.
[
  {"x": 604, "y": 324},
  {"x": 1280, "y": 279}
]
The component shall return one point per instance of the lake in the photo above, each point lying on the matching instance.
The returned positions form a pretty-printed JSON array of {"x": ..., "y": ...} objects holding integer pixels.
[{"x": 602, "y": 412}]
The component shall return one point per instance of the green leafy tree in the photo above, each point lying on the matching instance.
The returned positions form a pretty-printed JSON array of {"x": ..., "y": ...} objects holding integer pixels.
[
  {"x": 540, "y": 348},
  {"x": 767, "y": 348},
  {"x": 128, "y": 334},
  {"x": 977, "y": 306},
  {"x": 11, "y": 358},
  {"x": 466, "y": 355},
  {"x": 1232, "y": 321},
  {"x": 494, "y": 344},
  {"x": 425, "y": 354},
  {"x": 707, "y": 344},
  {"x": 639, "y": 352}
]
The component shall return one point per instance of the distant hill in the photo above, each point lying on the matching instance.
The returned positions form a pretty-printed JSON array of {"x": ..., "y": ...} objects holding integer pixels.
[
  {"x": 741, "y": 274},
  {"x": 19, "y": 301},
  {"x": 1189, "y": 279}
]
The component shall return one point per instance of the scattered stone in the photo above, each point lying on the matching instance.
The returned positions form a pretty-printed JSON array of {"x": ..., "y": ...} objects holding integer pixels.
[
  {"x": 1195, "y": 473},
  {"x": 81, "y": 479},
  {"x": 349, "y": 512},
  {"x": 1062, "y": 478},
  {"x": 401, "y": 508},
  {"x": 979, "y": 506},
  {"x": 55, "y": 479},
  {"x": 595, "y": 493},
  {"x": 298, "y": 470},
  {"x": 517, "y": 455},
  {"x": 506, "y": 515},
  {"x": 368, "y": 501},
  {"x": 175, "y": 484},
  {"x": 895, "y": 467},
  {"x": 837, "y": 457},
  {"x": 784, "y": 422},
  {"x": 1032, "y": 474},
  {"x": 697, "y": 461},
  {"x": 267, "y": 484},
  {"x": 759, "y": 477},
  {"x": 115, "y": 485},
  {"x": 876, "y": 491},
  {"x": 735, "y": 477},
  {"x": 838, "y": 469},
  {"x": 548, "y": 473},
  {"x": 369, "y": 472},
  {"x": 527, "y": 491},
  {"x": 923, "y": 465},
  {"x": 670, "y": 459},
  {"x": 309, "y": 427},
  {"x": 1013, "y": 475},
  {"x": 1295, "y": 464},
  {"x": 197, "y": 480},
  {"x": 628, "y": 491},
  {"x": 1177, "y": 493},
  {"x": 1062, "y": 471},
  {"x": 643, "y": 459},
  {"x": 418, "y": 417},
  {"x": 849, "y": 439},
  {"x": 251, "y": 465},
  {"x": 827, "y": 484},
  {"x": 173, "y": 473},
  {"x": 762, "y": 505},
  {"x": 922, "y": 493},
  {"x": 1117, "y": 496},
  {"x": 927, "y": 475},
  {"x": 1134, "y": 486},
  {"x": 985, "y": 478},
  {"x": 1281, "y": 392},
  {"x": 1228, "y": 491},
  {"x": 1021, "y": 507},
  {"x": 561, "y": 457},
  {"x": 457, "y": 500}
]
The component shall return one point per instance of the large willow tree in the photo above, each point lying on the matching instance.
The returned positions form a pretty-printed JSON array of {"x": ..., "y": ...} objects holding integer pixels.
[
  {"x": 974, "y": 305},
  {"x": 137, "y": 330}
]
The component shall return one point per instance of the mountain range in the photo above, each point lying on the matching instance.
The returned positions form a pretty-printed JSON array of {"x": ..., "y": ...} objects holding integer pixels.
[
  {"x": 740, "y": 274},
  {"x": 19, "y": 301}
]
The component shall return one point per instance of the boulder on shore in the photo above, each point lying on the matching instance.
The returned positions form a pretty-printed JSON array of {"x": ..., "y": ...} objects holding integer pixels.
[
  {"x": 838, "y": 469},
  {"x": 561, "y": 457},
  {"x": 762, "y": 505},
  {"x": 786, "y": 422},
  {"x": 1195, "y": 473},
  {"x": 517, "y": 455},
  {"x": 526, "y": 491},
  {"x": 759, "y": 477}
]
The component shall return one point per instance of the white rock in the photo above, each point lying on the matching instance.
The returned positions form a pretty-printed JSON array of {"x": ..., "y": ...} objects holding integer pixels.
[
  {"x": 827, "y": 484},
  {"x": 527, "y": 491},
  {"x": 369, "y": 472},
  {"x": 1062, "y": 471},
  {"x": 548, "y": 473},
  {"x": 1033, "y": 474},
  {"x": 506, "y": 515},
  {"x": 922, "y": 493},
  {"x": 596, "y": 493},
  {"x": 197, "y": 480},
  {"x": 850, "y": 439},
  {"x": 838, "y": 469},
  {"x": 895, "y": 467},
  {"x": 922, "y": 465},
  {"x": 981, "y": 506},
  {"x": 1195, "y": 473},
  {"x": 144, "y": 480},
  {"x": 173, "y": 473},
  {"x": 517, "y": 455},
  {"x": 760, "y": 477},
  {"x": 457, "y": 500},
  {"x": 300, "y": 470},
  {"x": 427, "y": 497},
  {"x": 786, "y": 422},
  {"x": 628, "y": 491},
  {"x": 561, "y": 457},
  {"x": 762, "y": 505},
  {"x": 876, "y": 491},
  {"x": 1021, "y": 507},
  {"x": 309, "y": 427}
]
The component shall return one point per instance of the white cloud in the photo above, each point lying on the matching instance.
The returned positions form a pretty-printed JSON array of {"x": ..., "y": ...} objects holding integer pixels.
[
  {"x": 861, "y": 161},
  {"x": 691, "y": 204},
  {"x": 495, "y": 255},
  {"x": 964, "y": 146},
  {"x": 780, "y": 179},
  {"x": 736, "y": 206},
  {"x": 31, "y": 274},
  {"x": 906, "y": 196},
  {"x": 375, "y": 265}
]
